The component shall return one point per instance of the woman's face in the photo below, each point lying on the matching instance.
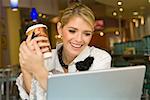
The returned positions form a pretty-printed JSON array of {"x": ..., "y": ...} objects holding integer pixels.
[{"x": 76, "y": 35}]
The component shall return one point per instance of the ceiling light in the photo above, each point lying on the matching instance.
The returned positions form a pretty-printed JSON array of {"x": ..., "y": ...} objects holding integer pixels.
[
  {"x": 134, "y": 20},
  {"x": 114, "y": 13},
  {"x": 135, "y": 13},
  {"x": 142, "y": 20},
  {"x": 117, "y": 33},
  {"x": 14, "y": 9},
  {"x": 44, "y": 16},
  {"x": 14, "y": 5},
  {"x": 148, "y": 1},
  {"x": 121, "y": 9},
  {"x": 40, "y": 15},
  {"x": 137, "y": 23},
  {"x": 119, "y": 3}
]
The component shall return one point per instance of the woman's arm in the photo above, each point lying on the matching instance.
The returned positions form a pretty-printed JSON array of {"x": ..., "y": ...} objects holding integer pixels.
[
  {"x": 32, "y": 63},
  {"x": 41, "y": 75},
  {"x": 27, "y": 78}
]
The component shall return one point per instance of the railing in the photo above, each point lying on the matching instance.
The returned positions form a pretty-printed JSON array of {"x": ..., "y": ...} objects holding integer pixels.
[{"x": 8, "y": 75}]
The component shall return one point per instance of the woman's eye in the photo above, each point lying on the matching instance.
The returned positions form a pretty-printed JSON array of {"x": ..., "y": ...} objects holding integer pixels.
[
  {"x": 88, "y": 34},
  {"x": 72, "y": 31}
]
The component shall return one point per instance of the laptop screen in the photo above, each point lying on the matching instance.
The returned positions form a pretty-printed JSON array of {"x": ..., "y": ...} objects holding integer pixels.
[{"x": 113, "y": 84}]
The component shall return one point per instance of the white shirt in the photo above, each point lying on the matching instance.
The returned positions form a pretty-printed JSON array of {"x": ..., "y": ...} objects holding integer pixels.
[{"x": 102, "y": 60}]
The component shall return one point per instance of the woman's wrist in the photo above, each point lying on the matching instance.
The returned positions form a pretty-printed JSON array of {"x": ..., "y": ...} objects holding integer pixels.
[
  {"x": 42, "y": 77},
  {"x": 27, "y": 77},
  {"x": 25, "y": 72}
]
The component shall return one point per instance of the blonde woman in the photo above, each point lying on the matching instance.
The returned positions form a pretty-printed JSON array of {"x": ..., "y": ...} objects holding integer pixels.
[{"x": 76, "y": 27}]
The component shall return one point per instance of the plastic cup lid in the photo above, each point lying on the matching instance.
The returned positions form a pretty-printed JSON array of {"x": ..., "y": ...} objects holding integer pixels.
[{"x": 35, "y": 26}]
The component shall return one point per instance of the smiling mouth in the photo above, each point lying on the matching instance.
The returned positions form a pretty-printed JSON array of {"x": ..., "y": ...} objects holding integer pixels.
[{"x": 75, "y": 45}]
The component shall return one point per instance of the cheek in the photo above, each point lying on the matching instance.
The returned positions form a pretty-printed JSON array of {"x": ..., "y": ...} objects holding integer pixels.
[
  {"x": 87, "y": 39},
  {"x": 66, "y": 35}
]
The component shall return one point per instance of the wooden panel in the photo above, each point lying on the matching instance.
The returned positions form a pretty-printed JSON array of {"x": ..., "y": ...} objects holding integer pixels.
[
  {"x": 100, "y": 42},
  {"x": 0, "y": 51}
]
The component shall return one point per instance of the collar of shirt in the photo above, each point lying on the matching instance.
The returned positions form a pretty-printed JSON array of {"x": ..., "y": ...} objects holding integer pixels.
[{"x": 71, "y": 67}]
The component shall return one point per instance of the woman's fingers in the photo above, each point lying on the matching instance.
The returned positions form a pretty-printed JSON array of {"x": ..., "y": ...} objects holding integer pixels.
[
  {"x": 29, "y": 38},
  {"x": 38, "y": 45},
  {"x": 43, "y": 44},
  {"x": 20, "y": 59},
  {"x": 29, "y": 41},
  {"x": 23, "y": 55},
  {"x": 21, "y": 48},
  {"x": 24, "y": 49},
  {"x": 45, "y": 49},
  {"x": 41, "y": 38},
  {"x": 37, "y": 49}
]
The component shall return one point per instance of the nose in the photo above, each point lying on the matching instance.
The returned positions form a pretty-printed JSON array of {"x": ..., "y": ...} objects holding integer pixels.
[{"x": 79, "y": 37}]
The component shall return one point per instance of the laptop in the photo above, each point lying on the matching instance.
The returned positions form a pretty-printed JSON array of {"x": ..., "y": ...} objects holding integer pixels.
[{"x": 124, "y": 83}]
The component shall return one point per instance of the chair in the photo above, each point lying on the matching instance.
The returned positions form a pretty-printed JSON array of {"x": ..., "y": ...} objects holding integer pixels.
[
  {"x": 8, "y": 74},
  {"x": 146, "y": 86}
]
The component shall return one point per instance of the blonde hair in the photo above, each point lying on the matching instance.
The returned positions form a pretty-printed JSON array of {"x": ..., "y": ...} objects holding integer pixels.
[{"x": 77, "y": 9}]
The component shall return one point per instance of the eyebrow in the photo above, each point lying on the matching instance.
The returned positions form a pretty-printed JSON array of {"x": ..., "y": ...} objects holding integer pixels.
[{"x": 84, "y": 31}]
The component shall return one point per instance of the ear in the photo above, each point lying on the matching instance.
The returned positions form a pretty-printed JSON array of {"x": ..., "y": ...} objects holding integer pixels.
[{"x": 59, "y": 28}]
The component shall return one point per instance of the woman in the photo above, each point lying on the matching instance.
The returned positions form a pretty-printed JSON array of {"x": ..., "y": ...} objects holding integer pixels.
[{"x": 76, "y": 27}]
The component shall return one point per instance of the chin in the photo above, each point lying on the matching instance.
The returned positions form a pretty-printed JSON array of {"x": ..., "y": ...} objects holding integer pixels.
[{"x": 74, "y": 53}]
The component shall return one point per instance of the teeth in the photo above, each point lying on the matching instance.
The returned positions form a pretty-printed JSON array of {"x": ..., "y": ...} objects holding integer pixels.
[{"x": 76, "y": 45}]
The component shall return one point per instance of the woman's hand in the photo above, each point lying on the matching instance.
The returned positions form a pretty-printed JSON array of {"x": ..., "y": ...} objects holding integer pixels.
[
  {"x": 43, "y": 43},
  {"x": 30, "y": 57},
  {"x": 31, "y": 52},
  {"x": 32, "y": 61},
  {"x": 41, "y": 36}
]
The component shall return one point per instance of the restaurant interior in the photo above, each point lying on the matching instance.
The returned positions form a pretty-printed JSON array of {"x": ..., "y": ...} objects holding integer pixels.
[{"x": 122, "y": 28}]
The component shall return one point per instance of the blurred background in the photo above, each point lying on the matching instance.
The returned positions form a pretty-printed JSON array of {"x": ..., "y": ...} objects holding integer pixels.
[
  {"x": 116, "y": 22},
  {"x": 122, "y": 28}
]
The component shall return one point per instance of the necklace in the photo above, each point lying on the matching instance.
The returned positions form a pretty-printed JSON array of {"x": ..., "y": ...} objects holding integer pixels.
[
  {"x": 80, "y": 65},
  {"x": 60, "y": 58}
]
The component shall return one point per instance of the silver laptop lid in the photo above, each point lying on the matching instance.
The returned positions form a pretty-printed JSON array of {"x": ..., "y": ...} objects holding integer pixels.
[{"x": 113, "y": 84}]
